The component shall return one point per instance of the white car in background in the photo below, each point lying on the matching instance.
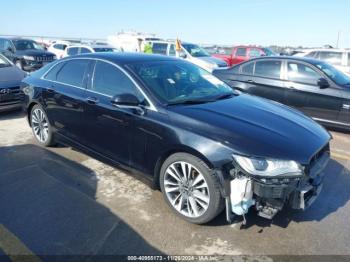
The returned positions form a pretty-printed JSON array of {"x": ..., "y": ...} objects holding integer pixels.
[
  {"x": 58, "y": 48},
  {"x": 191, "y": 52},
  {"x": 339, "y": 58},
  {"x": 85, "y": 49}
]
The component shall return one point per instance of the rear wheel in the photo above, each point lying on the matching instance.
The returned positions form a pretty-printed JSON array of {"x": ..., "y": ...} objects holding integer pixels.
[
  {"x": 41, "y": 126},
  {"x": 190, "y": 188}
]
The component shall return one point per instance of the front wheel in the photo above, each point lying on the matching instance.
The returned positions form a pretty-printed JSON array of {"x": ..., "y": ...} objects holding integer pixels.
[
  {"x": 190, "y": 188},
  {"x": 41, "y": 126}
]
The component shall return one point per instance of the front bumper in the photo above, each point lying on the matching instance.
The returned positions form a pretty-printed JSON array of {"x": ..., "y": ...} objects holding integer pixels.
[
  {"x": 270, "y": 195},
  {"x": 29, "y": 65},
  {"x": 12, "y": 100}
]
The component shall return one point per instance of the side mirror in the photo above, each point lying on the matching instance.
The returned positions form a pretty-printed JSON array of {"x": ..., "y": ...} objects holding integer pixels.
[
  {"x": 182, "y": 55},
  {"x": 127, "y": 101},
  {"x": 322, "y": 83},
  {"x": 10, "y": 49}
]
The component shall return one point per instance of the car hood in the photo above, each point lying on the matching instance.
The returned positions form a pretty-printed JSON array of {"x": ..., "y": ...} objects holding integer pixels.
[
  {"x": 213, "y": 61},
  {"x": 254, "y": 126},
  {"x": 33, "y": 52},
  {"x": 10, "y": 76}
]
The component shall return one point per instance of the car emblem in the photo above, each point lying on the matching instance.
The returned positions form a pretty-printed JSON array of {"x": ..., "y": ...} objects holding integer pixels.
[{"x": 5, "y": 91}]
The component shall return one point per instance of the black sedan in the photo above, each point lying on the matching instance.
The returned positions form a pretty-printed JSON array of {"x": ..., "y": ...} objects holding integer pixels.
[
  {"x": 204, "y": 145},
  {"x": 311, "y": 86},
  {"x": 11, "y": 97}
]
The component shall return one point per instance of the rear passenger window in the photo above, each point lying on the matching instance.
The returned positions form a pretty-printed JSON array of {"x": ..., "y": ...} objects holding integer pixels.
[
  {"x": 302, "y": 73},
  {"x": 241, "y": 52},
  {"x": 84, "y": 50},
  {"x": 111, "y": 81},
  {"x": 253, "y": 52},
  {"x": 72, "y": 51},
  {"x": 270, "y": 69},
  {"x": 172, "y": 51},
  {"x": 52, "y": 74},
  {"x": 72, "y": 73},
  {"x": 248, "y": 69}
]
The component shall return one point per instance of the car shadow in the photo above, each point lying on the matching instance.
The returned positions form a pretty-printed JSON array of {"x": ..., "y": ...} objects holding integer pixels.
[
  {"x": 13, "y": 114},
  {"x": 334, "y": 195},
  {"x": 48, "y": 203}
]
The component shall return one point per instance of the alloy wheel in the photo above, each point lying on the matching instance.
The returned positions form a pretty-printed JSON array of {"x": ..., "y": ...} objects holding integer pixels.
[
  {"x": 40, "y": 125},
  {"x": 186, "y": 189}
]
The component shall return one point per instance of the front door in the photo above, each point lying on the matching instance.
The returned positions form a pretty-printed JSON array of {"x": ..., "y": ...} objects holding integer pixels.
[
  {"x": 109, "y": 129},
  {"x": 304, "y": 93}
]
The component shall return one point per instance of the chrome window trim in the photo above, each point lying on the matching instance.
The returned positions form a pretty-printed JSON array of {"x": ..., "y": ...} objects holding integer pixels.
[
  {"x": 151, "y": 105},
  {"x": 330, "y": 121}
]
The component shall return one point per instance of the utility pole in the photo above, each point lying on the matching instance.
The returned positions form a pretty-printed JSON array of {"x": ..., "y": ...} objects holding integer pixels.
[{"x": 338, "y": 39}]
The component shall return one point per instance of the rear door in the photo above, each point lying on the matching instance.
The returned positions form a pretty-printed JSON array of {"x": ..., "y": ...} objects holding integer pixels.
[
  {"x": 304, "y": 93},
  {"x": 64, "y": 96},
  {"x": 263, "y": 78}
]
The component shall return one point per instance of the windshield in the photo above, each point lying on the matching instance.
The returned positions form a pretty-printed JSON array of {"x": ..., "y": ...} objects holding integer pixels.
[
  {"x": 269, "y": 52},
  {"x": 27, "y": 45},
  {"x": 4, "y": 62},
  {"x": 104, "y": 49},
  {"x": 176, "y": 82},
  {"x": 195, "y": 50},
  {"x": 337, "y": 76}
]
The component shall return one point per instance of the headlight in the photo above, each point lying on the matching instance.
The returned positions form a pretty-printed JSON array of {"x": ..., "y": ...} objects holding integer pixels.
[
  {"x": 29, "y": 58},
  {"x": 54, "y": 57},
  {"x": 268, "y": 167}
]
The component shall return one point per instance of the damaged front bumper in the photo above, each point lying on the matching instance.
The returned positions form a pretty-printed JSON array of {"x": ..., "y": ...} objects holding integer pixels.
[{"x": 270, "y": 194}]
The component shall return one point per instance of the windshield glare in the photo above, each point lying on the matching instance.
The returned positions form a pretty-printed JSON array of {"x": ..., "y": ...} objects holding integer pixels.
[
  {"x": 337, "y": 76},
  {"x": 195, "y": 50},
  {"x": 4, "y": 62},
  {"x": 178, "y": 82},
  {"x": 27, "y": 45}
]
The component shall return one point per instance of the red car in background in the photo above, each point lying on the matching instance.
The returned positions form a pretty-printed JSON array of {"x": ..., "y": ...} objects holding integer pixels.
[{"x": 242, "y": 53}]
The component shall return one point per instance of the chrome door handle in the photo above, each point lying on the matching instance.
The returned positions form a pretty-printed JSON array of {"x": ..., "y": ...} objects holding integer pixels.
[{"x": 92, "y": 100}]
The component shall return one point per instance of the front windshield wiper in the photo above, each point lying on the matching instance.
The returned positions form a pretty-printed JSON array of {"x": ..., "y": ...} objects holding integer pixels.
[
  {"x": 190, "y": 102},
  {"x": 225, "y": 96}
]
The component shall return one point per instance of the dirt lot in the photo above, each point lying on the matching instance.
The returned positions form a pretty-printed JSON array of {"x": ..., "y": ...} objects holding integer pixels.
[{"x": 59, "y": 201}]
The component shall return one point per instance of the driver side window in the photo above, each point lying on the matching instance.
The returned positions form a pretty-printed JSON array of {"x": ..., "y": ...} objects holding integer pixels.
[
  {"x": 302, "y": 73},
  {"x": 109, "y": 80}
]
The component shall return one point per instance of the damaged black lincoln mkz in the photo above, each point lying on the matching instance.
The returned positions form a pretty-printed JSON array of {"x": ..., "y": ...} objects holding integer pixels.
[{"x": 204, "y": 145}]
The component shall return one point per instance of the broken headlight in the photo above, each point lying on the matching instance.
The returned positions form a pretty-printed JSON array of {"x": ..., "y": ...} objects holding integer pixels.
[{"x": 268, "y": 167}]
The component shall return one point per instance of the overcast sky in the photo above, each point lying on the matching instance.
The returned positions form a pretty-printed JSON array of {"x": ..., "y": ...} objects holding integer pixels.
[{"x": 264, "y": 22}]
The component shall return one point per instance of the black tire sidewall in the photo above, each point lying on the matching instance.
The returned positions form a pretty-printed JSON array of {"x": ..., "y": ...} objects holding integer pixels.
[
  {"x": 49, "y": 141},
  {"x": 215, "y": 202}
]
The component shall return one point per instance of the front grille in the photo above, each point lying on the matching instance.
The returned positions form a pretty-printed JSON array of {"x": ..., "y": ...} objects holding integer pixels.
[
  {"x": 44, "y": 58},
  {"x": 319, "y": 154}
]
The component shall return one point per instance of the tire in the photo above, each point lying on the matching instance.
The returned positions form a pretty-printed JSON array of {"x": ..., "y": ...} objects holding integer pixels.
[
  {"x": 18, "y": 63},
  {"x": 197, "y": 199},
  {"x": 41, "y": 127}
]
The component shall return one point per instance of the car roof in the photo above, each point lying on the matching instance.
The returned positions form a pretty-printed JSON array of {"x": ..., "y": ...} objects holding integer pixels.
[
  {"x": 294, "y": 58},
  {"x": 91, "y": 46},
  {"x": 125, "y": 58}
]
